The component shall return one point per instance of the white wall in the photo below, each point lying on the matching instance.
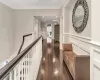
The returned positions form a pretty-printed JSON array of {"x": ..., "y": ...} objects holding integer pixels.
[
  {"x": 81, "y": 40},
  {"x": 87, "y": 30},
  {"x": 95, "y": 42},
  {"x": 44, "y": 30},
  {"x": 23, "y": 25},
  {"x": 89, "y": 38},
  {"x": 61, "y": 27},
  {"x": 24, "y": 22},
  {"x": 6, "y": 32}
]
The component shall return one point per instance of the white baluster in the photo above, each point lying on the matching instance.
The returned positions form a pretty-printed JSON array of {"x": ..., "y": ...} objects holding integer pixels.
[
  {"x": 15, "y": 77},
  {"x": 11, "y": 75},
  {"x": 27, "y": 66},
  {"x": 19, "y": 70},
  {"x": 22, "y": 66}
]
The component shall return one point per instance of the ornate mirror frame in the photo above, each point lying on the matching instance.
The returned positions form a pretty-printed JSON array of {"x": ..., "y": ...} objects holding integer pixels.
[{"x": 84, "y": 4}]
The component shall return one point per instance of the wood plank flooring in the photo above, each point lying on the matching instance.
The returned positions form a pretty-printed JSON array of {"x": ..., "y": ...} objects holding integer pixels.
[{"x": 50, "y": 65}]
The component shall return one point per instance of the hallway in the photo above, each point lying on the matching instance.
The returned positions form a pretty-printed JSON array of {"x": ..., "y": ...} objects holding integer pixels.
[
  {"x": 50, "y": 65},
  {"x": 49, "y": 40}
]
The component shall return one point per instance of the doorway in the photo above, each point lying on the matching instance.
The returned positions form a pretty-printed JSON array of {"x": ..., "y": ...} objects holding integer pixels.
[{"x": 49, "y": 33}]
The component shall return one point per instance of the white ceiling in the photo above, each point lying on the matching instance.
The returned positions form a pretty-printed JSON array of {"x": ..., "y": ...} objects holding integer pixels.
[
  {"x": 54, "y": 19},
  {"x": 33, "y": 4}
]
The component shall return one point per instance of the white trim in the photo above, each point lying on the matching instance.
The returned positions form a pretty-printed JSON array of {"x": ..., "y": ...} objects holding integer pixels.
[
  {"x": 95, "y": 58},
  {"x": 82, "y": 37},
  {"x": 88, "y": 42},
  {"x": 79, "y": 38},
  {"x": 95, "y": 43},
  {"x": 81, "y": 47},
  {"x": 86, "y": 38}
]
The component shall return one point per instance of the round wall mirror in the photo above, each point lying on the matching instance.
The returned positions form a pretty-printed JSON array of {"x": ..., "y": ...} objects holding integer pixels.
[{"x": 80, "y": 15}]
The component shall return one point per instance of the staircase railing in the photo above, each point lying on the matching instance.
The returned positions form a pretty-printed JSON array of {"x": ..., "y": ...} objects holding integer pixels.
[
  {"x": 25, "y": 65},
  {"x": 23, "y": 42}
]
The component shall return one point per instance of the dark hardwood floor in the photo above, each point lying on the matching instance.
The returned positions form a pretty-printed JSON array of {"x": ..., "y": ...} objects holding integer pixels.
[{"x": 50, "y": 65}]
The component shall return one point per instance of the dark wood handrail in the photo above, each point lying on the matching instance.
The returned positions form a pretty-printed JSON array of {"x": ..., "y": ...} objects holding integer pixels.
[
  {"x": 7, "y": 68},
  {"x": 23, "y": 42}
]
